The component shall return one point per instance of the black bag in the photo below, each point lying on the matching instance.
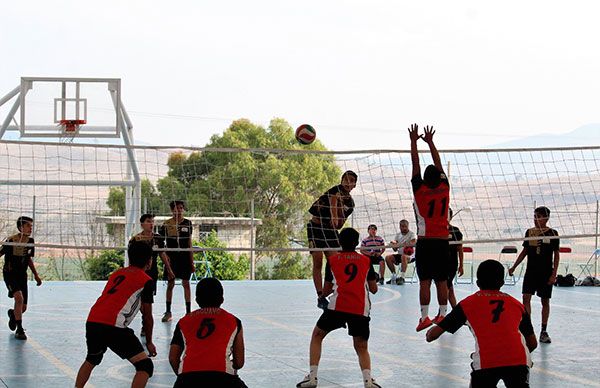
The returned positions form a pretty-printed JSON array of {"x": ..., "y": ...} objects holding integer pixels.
[{"x": 565, "y": 281}]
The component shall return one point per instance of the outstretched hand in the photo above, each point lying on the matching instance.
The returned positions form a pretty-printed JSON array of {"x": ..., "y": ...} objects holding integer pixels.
[
  {"x": 428, "y": 136},
  {"x": 413, "y": 131}
]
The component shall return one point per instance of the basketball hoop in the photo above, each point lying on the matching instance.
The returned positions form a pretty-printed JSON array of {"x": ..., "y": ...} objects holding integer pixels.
[{"x": 70, "y": 126}]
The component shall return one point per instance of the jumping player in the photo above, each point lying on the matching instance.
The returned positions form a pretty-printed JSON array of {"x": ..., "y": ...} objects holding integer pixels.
[
  {"x": 207, "y": 348},
  {"x": 352, "y": 278},
  {"x": 109, "y": 318},
  {"x": 540, "y": 274},
  {"x": 502, "y": 329},
  {"x": 432, "y": 197},
  {"x": 154, "y": 240},
  {"x": 16, "y": 260},
  {"x": 329, "y": 213},
  {"x": 177, "y": 231}
]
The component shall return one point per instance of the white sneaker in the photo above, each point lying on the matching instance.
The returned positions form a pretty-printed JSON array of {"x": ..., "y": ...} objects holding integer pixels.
[
  {"x": 307, "y": 383},
  {"x": 371, "y": 384}
]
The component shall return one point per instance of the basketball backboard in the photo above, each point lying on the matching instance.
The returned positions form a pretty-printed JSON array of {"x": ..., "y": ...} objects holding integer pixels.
[{"x": 50, "y": 107}]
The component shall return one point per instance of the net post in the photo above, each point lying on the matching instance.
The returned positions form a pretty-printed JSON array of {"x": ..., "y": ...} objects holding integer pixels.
[{"x": 252, "y": 257}]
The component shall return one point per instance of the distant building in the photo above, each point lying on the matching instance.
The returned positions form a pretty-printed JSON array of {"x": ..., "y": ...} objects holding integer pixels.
[{"x": 233, "y": 231}]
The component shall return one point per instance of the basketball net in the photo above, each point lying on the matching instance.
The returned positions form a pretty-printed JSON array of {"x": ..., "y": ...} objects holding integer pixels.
[{"x": 69, "y": 129}]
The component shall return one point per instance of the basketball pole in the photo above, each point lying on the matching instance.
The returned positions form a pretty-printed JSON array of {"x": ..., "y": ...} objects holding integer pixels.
[{"x": 596, "y": 244}]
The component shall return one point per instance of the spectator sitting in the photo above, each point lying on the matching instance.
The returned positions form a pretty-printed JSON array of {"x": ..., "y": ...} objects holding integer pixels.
[
  {"x": 404, "y": 244},
  {"x": 376, "y": 255}
]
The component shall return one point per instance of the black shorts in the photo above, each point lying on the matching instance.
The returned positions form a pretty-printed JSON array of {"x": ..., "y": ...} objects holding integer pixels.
[
  {"x": 513, "y": 377},
  {"x": 180, "y": 264},
  {"x": 431, "y": 256},
  {"x": 536, "y": 284},
  {"x": 208, "y": 380},
  {"x": 321, "y": 237},
  {"x": 358, "y": 325},
  {"x": 375, "y": 260},
  {"x": 122, "y": 341},
  {"x": 398, "y": 258},
  {"x": 16, "y": 281}
]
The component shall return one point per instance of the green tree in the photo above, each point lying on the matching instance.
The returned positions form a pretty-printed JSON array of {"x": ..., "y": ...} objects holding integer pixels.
[
  {"x": 100, "y": 267},
  {"x": 223, "y": 264}
]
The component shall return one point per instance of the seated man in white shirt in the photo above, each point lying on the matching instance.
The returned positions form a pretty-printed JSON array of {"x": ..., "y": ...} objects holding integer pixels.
[{"x": 404, "y": 244}]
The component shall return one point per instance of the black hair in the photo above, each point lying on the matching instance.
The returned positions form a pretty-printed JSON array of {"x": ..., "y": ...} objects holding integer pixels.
[
  {"x": 542, "y": 211},
  {"x": 173, "y": 204},
  {"x": 372, "y": 226},
  {"x": 349, "y": 239},
  {"x": 350, "y": 173},
  {"x": 209, "y": 293},
  {"x": 432, "y": 176},
  {"x": 22, "y": 221},
  {"x": 490, "y": 275},
  {"x": 144, "y": 217},
  {"x": 139, "y": 253}
]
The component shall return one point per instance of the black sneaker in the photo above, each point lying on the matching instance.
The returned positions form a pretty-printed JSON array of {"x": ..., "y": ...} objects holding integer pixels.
[
  {"x": 545, "y": 338},
  {"x": 381, "y": 281},
  {"x": 322, "y": 303},
  {"x": 20, "y": 334},
  {"x": 12, "y": 322}
]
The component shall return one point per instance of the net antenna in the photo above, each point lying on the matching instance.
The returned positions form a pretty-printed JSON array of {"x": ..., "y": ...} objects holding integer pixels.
[{"x": 57, "y": 108}]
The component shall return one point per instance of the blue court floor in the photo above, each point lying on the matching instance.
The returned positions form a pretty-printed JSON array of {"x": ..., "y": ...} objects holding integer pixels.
[{"x": 278, "y": 317}]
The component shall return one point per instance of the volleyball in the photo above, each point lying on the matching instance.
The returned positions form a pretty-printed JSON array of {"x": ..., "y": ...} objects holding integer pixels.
[
  {"x": 305, "y": 134},
  {"x": 408, "y": 251}
]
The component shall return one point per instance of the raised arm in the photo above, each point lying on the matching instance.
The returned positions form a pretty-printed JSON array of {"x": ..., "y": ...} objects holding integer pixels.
[
  {"x": 413, "y": 132},
  {"x": 428, "y": 138}
]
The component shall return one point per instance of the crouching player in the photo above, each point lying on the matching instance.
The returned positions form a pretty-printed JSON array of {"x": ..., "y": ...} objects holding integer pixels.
[
  {"x": 502, "y": 329},
  {"x": 353, "y": 278},
  {"x": 207, "y": 347},
  {"x": 109, "y": 318}
]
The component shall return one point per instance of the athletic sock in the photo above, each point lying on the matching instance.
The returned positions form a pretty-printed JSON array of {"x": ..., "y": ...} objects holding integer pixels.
[
  {"x": 443, "y": 310},
  {"x": 366, "y": 374},
  {"x": 168, "y": 307},
  {"x": 313, "y": 371},
  {"x": 424, "y": 311},
  {"x": 19, "y": 323},
  {"x": 544, "y": 327},
  {"x": 188, "y": 307}
]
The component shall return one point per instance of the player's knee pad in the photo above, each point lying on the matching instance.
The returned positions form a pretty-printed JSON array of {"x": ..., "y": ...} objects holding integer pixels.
[
  {"x": 94, "y": 359},
  {"x": 145, "y": 365}
]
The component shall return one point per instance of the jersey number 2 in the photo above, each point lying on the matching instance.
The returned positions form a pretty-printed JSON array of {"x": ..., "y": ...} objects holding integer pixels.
[{"x": 498, "y": 310}]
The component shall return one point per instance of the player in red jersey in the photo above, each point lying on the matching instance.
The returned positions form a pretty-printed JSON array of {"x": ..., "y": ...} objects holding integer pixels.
[
  {"x": 432, "y": 199},
  {"x": 502, "y": 329},
  {"x": 17, "y": 259},
  {"x": 352, "y": 278},
  {"x": 106, "y": 326},
  {"x": 207, "y": 348}
]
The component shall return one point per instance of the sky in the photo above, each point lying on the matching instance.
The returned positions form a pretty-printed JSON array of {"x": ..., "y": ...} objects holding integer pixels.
[{"x": 359, "y": 71}]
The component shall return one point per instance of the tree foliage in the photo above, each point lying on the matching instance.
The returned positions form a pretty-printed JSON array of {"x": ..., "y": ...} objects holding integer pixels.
[
  {"x": 223, "y": 264},
  {"x": 100, "y": 267},
  {"x": 223, "y": 183}
]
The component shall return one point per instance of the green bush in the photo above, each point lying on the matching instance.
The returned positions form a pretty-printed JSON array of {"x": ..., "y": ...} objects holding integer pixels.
[
  {"x": 100, "y": 267},
  {"x": 286, "y": 266},
  {"x": 223, "y": 265}
]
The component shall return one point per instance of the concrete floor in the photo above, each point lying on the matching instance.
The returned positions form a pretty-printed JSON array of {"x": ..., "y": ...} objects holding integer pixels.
[{"x": 278, "y": 317}]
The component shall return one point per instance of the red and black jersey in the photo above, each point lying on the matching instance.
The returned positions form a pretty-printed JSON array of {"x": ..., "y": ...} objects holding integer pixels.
[
  {"x": 431, "y": 207},
  {"x": 16, "y": 258},
  {"x": 122, "y": 297},
  {"x": 499, "y": 324},
  {"x": 206, "y": 336},
  {"x": 351, "y": 271}
]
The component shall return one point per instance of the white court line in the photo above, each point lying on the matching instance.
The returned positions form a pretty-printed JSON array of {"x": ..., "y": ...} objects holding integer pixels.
[
  {"x": 395, "y": 295},
  {"x": 396, "y": 360},
  {"x": 67, "y": 371}
]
